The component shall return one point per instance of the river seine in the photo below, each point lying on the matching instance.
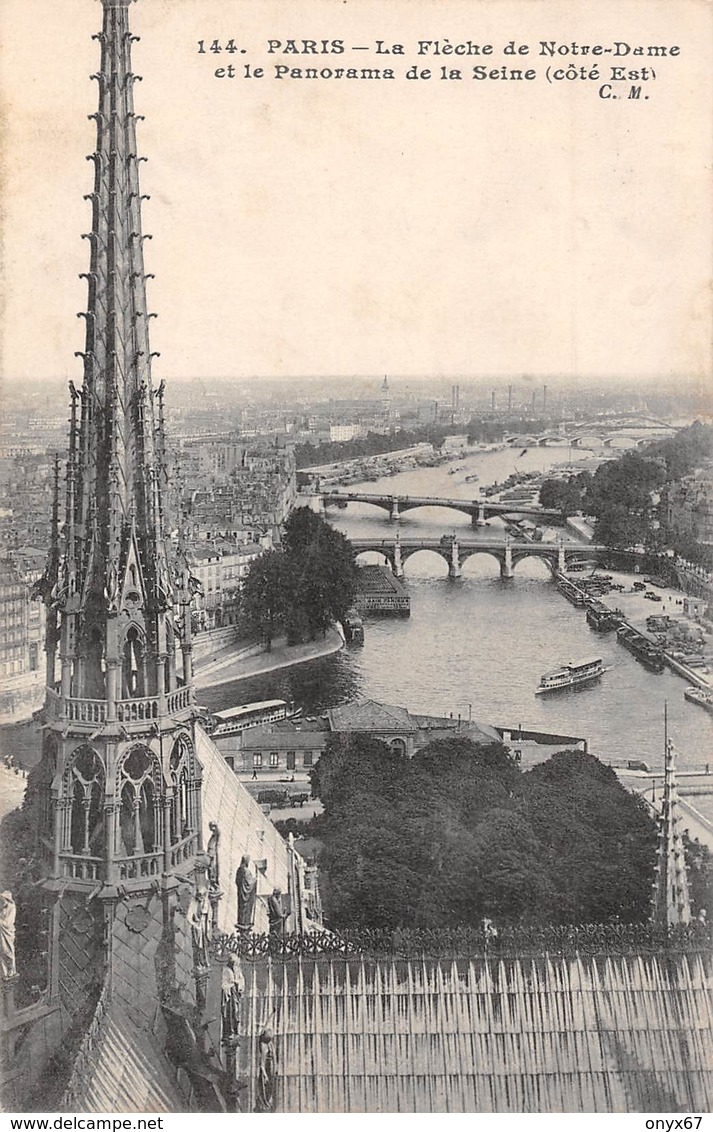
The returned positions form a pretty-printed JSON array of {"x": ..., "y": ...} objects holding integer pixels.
[{"x": 479, "y": 645}]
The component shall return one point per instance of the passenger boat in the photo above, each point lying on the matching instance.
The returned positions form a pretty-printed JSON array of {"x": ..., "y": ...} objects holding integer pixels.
[
  {"x": 234, "y": 720},
  {"x": 571, "y": 675},
  {"x": 701, "y": 696}
]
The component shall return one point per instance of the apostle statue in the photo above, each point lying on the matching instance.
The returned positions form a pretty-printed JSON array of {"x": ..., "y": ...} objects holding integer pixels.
[
  {"x": 276, "y": 914},
  {"x": 246, "y": 884},
  {"x": 232, "y": 990},
  {"x": 7, "y": 934},
  {"x": 198, "y": 919},
  {"x": 266, "y": 1068},
  {"x": 212, "y": 851}
]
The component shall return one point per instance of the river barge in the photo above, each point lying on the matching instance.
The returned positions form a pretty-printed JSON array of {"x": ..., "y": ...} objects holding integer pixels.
[
  {"x": 568, "y": 589},
  {"x": 601, "y": 618},
  {"x": 701, "y": 696},
  {"x": 571, "y": 675},
  {"x": 650, "y": 655}
]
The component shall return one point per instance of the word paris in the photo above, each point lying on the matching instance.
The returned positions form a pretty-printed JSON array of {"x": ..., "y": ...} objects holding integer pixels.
[{"x": 548, "y": 48}]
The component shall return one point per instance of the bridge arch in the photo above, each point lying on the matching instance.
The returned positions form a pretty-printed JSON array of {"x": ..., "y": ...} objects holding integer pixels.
[
  {"x": 585, "y": 439},
  {"x": 384, "y": 553},
  {"x": 382, "y": 504},
  {"x": 548, "y": 560},
  {"x": 468, "y": 507},
  {"x": 411, "y": 552},
  {"x": 471, "y": 552}
]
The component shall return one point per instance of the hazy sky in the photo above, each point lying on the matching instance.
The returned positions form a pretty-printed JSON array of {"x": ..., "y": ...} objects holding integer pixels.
[{"x": 343, "y": 227}]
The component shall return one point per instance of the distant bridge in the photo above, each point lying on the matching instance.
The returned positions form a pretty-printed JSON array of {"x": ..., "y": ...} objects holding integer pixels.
[
  {"x": 396, "y": 505},
  {"x": 454, "y": 551},
  {"x": 584, "y": 436}
]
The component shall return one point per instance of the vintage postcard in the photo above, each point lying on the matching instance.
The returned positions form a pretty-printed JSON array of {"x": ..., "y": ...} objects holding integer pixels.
[{"x": 356, "y": 558}]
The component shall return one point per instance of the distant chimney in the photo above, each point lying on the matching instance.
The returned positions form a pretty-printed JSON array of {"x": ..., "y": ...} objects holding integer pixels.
[
  {"x": 492, "y": 400},
  {"x": 509, "y": 398},
  {"x": 544, "y": 398}
]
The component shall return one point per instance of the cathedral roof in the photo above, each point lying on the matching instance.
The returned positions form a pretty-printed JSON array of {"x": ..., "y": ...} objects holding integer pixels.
[
  {"x": 127, "y": 1070},
  {"x": 548, "y": 1034}
]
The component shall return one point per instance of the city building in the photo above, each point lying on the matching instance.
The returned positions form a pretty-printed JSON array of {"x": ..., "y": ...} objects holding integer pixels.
[
  {"x": 297, "y": 745},
  {"x": 221, "y": 567},
  {"x": 22, "y": 628}
]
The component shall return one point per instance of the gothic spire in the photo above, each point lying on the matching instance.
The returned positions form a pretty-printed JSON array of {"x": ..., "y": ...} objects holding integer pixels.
[
  {"x": 115, "y": 591},
  {"x": 670, "y": 900}
]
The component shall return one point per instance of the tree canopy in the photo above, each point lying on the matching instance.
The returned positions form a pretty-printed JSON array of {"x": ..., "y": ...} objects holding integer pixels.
[
  {"x": 458, "y": 833},
  {"x": 303, "y": 587},
  {"x": 620, "y": 495}
]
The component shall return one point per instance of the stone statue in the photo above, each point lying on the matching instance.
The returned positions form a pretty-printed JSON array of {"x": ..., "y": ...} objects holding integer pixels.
[
  {"x": 212, "y": 851},
  {"x": 232, "y": 990},
  {"x": 7, "y": 934},
  {"x": 198, "y": 918},
  {"x": 246, "y": 884},
  {"x": 489, "y": 929},
  {"x": 275, "y": 914},
  {"x": 266, "y": 1072}
]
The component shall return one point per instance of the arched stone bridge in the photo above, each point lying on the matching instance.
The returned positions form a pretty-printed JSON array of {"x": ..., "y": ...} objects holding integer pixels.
[
  {"x": 454, "y": 551},
  {"x": 478, "y": 509},
  {"x": 581, "y": 439}
]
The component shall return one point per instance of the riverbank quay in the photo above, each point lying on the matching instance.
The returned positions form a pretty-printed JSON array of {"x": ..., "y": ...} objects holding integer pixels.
[
  {"x": 634, "y": 611},
  {"x": 224, "y": 669}
]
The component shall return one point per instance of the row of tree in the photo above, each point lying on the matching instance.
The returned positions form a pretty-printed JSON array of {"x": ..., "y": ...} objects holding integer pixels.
[
  {"x": 619, "y": 496},
  {"x": 459, "y": 832},
  {"x": 373, "y": 444},
  {"x": 300, "y": 589}
]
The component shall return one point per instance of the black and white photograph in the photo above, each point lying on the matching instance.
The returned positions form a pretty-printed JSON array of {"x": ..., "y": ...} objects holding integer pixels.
[{"x": 356, "y": 559}]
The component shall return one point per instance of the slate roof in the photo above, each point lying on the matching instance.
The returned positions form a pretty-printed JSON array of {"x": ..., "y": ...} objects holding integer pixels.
[
  {"x": 369, "y": 715},
  {"x": 440, "y": 728}
]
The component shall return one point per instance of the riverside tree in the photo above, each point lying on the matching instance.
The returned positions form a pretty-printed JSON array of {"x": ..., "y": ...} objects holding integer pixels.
[
  {"x": 304, "y": 587},
  {"x": 263, "y": 597}
]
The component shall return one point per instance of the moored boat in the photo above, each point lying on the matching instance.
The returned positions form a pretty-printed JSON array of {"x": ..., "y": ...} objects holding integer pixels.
[
  {"x": 701, "y": 696},
  {"x": 650, "y": 655},
  {"x": 232, "y": 721},
  {"x": 571, "y": 675},
  {"x": 601, "y": 618}
]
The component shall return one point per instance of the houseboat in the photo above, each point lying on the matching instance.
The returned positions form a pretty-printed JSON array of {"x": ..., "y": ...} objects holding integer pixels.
[{"x": 571, "y": 675}]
